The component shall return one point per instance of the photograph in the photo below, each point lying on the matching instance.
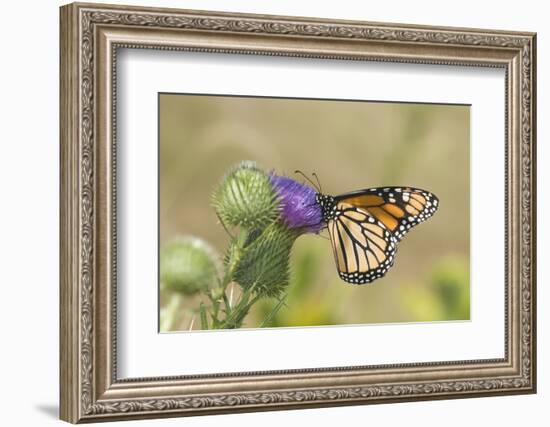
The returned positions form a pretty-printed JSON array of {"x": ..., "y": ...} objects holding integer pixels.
[{"x": 290, "y": 212}]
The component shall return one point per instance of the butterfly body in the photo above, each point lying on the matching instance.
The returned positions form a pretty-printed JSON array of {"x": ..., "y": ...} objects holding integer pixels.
[
  {"x": 328, "y": 206},
  {"x": 365, "y": 226}
]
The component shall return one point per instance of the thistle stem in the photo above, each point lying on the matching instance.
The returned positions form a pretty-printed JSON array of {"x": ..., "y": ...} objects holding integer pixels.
[
  {"x": 233, "y": 314},
  {"x": 169, "y": 315}
]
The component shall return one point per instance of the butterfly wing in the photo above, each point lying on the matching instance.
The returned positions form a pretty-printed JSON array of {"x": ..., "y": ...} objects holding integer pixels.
[
  {"x": 398, "y": 208},
  {"x": 364, "y": 249}
]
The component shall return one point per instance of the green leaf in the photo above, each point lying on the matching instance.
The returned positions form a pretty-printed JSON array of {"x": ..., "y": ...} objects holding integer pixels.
[
  {"x": 267, "y": 320},
  {"x": 204, "y": 320}
]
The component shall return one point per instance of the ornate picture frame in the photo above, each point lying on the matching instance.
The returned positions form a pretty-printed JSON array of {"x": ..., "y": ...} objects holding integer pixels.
[{"x": 90, "y": 37}]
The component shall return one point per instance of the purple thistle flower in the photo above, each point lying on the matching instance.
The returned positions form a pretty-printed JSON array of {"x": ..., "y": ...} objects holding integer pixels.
[{"x": 299, "y": 207}]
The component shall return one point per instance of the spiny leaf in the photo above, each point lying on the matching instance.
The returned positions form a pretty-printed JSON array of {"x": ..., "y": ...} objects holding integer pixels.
[{"x": 264, "y": 264}]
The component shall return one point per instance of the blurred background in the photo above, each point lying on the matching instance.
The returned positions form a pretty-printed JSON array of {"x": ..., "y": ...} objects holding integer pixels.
[{"x": 350, "y": 145}]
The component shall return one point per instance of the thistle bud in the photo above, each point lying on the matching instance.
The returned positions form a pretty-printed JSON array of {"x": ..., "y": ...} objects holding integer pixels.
[
  {"x": 246, "y": 198},
  {"x": 188, "y": 265}
]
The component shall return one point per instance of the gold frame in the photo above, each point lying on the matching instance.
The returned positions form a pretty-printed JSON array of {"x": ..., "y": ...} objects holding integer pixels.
[{"x": 90, "y": 36}]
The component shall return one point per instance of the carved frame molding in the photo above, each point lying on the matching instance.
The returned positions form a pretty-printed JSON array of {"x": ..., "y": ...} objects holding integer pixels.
[{"x": 90, "y": 37}]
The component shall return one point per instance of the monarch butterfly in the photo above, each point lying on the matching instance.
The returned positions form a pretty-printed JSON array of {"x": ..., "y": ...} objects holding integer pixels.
[{"x": 365, "y": 226}]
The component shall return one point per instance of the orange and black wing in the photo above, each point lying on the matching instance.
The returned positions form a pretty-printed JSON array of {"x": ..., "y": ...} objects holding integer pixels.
[
  {"x": 364, "y": 249},
  {"x": 398, "y": 208}
]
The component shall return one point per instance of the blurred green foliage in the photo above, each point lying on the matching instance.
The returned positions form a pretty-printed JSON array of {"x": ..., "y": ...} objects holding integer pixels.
[
  {"x": 350, "y": 145},
  {"x": 306, "y": 304},
  {"x": 443, "y": 295}
]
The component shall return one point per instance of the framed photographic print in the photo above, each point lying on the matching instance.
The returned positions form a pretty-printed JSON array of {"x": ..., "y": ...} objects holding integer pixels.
[{"x": 265, "y": 212}]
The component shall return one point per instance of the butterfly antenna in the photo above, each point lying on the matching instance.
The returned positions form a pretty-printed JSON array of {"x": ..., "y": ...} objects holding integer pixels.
[
  {"x": 308, "y": 179},
  {"x": 318, "y": 182}
]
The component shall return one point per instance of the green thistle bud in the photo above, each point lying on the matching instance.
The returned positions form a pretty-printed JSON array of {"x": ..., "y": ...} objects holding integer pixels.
[
  {"x": 188, "y": 265},
  {"x": 264, "y": 265},
  {"x": 246, "y": 198}
]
